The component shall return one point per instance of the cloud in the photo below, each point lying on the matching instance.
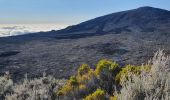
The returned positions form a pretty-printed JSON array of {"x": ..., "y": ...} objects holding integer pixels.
[{"x": 19, "y": 29}]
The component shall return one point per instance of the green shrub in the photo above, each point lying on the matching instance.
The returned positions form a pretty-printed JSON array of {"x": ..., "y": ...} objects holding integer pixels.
[
  {"x": 106, "y": 65},
  {"x": 73, "y": 81},
  {"x": 83, "y": 79},
  {"x": 71, "y": 84},
  {"x": 97, "y": 95},
  {"x": 129, "y": 70},
  {"x": 123, "y": 75},
  {"x": 84, "y": 69},
  {"x": 106, "y": 70},
  {"x": 113, "y": 97},
  {"x": 76, "y": 85}
]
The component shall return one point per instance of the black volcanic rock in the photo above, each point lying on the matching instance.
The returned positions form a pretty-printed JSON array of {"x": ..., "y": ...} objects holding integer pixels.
[
  {"x": 9, "y": 53},
  {"x": 127, "y": 37}
]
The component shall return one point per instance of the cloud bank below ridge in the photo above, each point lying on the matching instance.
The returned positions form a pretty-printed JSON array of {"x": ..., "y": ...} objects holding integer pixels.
[{"x": 19, "y": 29}]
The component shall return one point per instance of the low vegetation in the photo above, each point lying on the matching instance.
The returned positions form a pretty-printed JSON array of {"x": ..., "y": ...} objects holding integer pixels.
[
  {"x": 108, "y": 81},
  {"x": 43, "y": 88}
]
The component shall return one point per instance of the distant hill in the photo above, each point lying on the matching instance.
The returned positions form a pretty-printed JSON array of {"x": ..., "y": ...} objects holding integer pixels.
[
  {"x": 128, "y": 37},
  {"x": 144, "y": 19}
]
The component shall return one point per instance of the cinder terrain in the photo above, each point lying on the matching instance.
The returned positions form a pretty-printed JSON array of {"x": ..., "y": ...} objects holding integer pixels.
[{"x": 127, "y": 37}]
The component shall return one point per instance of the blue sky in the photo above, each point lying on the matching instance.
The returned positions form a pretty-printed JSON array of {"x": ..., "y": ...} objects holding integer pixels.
[{"x": 67, "y": 11}]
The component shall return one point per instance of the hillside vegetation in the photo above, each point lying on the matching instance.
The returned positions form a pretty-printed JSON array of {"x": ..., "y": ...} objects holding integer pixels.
[{"x": 108, "y": 81}]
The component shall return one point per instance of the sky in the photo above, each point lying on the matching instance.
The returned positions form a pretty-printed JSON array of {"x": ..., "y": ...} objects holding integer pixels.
[{"x": 66, "y": 12}]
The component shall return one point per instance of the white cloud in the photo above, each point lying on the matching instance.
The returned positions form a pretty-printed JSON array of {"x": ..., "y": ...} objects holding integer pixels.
[{"x": 18, "y": 29}]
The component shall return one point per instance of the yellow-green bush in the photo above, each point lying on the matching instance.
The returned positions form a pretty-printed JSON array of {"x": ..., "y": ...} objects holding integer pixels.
[
  {"x": 84, "y": 69},
  {"x": 97, "y": 95},
  {"x": 73, "y": 81},
  {"x": 106, "y": 71},
  {"x": 105, "y": 65},
  {"x": 105, "y": 76},
  {"x": 113, "y": 97},
  {"x": 82, "y": 86},
  {"x": 112, "y": 82},
  {"x": 71, "y": 84},
  {"x": 125, "y": 72},
  {"x": 122, "y": 76},
  {"x": 78, "y": 82},
  {"x": 83, "y": 79}
]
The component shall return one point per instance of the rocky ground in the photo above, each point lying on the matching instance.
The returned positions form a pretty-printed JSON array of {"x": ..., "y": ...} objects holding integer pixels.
[{"x": 61, "y": 54}]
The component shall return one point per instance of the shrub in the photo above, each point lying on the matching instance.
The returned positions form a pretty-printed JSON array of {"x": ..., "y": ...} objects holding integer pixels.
[
  {"x": 106, "y": 71},
  {"x": 146, "y": 82},
  {"x": 82, "y": 86},
  {"x": 77, "y": 86},
  {"x": 6, "y": 84},
  {"x": 84, "y": 78},
  {"x": 123, "y": 75},
  {"x": 106, "y": 65},
  {"x": 97, "y": 95},
  {"x": 84, "y": 69},
  {"x": 128, "y": 70},
  {"x": 42, "y": 88},
  {"x": 71, "y": 84},
  {"x": 73, "y": 81},
  {"x": 152, "y": 85},
  {"x": 113, "y": 98},
  {"x": 64, "y": 90}
]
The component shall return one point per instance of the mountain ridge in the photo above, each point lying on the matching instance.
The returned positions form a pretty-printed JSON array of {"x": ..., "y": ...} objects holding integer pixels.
[
  {"x": 110, "y": 17},
  {"x": 125, "y": 13}
]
